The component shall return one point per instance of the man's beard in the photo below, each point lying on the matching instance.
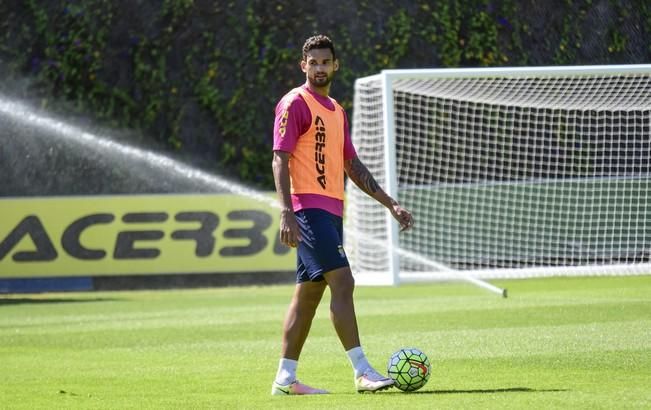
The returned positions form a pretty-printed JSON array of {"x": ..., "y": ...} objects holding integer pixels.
[{"x": 321, "y": 81}]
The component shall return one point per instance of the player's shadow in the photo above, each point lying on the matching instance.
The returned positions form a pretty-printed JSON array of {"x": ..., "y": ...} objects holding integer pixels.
[{"x": 480, "y": 391}]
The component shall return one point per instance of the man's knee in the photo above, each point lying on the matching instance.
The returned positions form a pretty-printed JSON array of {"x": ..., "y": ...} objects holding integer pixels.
[
  {"x": 309, "y": 295},
  {"x": 340, "y": 280}
]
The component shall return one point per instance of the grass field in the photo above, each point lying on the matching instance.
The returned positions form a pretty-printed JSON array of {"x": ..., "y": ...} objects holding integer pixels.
[{"x": 574, "y": 343}]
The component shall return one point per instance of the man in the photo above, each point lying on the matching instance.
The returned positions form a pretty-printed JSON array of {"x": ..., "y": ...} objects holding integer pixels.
[{"x": 312, "y": 149}]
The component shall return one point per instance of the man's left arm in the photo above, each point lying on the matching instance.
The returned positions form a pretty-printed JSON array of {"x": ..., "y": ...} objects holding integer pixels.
[{"x": 362, "y": 177}]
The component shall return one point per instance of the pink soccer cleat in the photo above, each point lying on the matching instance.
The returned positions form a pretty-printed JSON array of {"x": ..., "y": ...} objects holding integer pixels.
[
  {"x": 295, "y": 387},
  {"x": 372, "y": 381}
]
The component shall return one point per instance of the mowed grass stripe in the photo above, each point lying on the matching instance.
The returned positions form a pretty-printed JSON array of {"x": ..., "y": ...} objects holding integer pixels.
[
  {"x": 609, "y": 310},
  {"x": 444, "y": 344},
  {"x": 542, "y": 313}
]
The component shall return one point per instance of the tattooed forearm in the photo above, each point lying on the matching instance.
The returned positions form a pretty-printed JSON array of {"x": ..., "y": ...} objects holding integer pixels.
[{"x": 361, "y": 176}]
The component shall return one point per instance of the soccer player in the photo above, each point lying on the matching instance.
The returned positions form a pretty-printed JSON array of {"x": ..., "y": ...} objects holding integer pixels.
[{"x": 312, "y": 149}]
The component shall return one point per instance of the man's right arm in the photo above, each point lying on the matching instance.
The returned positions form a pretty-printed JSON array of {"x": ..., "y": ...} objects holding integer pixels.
[{"x": 289, "y": 233}]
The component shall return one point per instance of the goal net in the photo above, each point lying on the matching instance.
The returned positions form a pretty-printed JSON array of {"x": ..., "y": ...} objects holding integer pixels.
[{"x": 509, "y": 172}]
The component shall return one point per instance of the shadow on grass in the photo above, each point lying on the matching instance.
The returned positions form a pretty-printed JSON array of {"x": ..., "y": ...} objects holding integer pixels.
[
  {"x": 484, "y": 391},
  {"x": 39, "y": 301}
]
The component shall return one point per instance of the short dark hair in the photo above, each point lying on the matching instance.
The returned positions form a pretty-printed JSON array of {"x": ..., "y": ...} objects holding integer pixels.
[{"x": 318, "y": 41}]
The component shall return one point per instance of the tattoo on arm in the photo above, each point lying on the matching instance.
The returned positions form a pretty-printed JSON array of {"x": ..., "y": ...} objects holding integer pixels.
[{"x": 362, "y": 177}]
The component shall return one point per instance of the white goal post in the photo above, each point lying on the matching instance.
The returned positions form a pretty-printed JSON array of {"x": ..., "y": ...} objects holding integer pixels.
[{"x": 509, "y": 172}]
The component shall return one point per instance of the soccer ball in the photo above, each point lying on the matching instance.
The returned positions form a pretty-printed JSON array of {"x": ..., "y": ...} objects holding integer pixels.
[{"x": 409, "y": 368}]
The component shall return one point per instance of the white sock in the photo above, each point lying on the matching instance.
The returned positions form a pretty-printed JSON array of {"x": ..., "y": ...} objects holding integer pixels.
[
  {"x": 358, "y": 360},
  {"x": 286, "y": 371}
]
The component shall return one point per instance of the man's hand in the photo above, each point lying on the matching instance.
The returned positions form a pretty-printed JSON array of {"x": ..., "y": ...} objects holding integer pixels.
[
  {"x": 289, "y": 233},
  {"x": 403, "y": 216}
]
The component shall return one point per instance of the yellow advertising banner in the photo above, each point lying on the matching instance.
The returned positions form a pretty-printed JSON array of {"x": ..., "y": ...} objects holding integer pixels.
[{"x": 140, "y": 234}]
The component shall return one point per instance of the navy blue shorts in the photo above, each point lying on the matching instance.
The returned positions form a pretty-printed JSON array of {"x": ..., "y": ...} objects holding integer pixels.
[{"x": 320, "y": 249}]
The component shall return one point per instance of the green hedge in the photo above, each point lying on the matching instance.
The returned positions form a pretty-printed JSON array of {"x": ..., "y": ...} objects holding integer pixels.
[{"x": 202, "y": 77}]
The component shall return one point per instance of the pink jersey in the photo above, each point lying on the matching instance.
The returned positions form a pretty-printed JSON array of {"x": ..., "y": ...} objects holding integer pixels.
[{"x": 293, "y": 119}]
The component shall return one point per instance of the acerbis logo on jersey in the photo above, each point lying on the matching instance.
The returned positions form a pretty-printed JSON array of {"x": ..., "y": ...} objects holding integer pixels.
[
  {"x": 282, "y": 129},
  {"x": 319, "y": 147}
]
